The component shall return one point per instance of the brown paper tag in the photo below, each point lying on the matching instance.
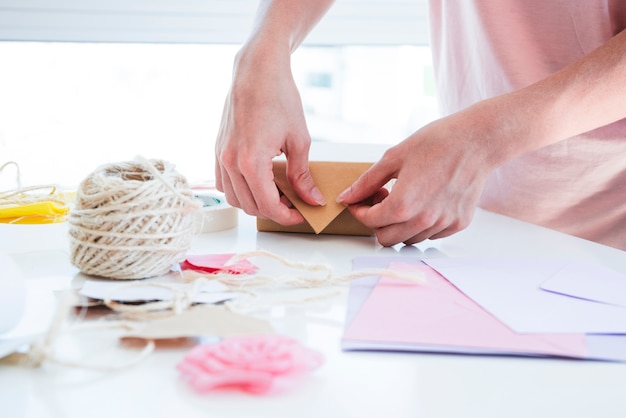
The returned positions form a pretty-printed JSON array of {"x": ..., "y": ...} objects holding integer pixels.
[{"x": 199, "y": 321}]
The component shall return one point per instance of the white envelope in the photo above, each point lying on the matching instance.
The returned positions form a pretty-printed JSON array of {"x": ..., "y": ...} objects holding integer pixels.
[{"x": 510, "y": 288}]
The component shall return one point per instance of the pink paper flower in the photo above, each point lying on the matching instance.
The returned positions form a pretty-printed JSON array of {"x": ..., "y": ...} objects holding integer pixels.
[{"x": 253, "y": 364}]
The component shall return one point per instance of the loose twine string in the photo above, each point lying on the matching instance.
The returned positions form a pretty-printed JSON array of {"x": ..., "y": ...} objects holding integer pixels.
[
  {"x": 42, "y": 350},
  {"x": 17, "y": 171},
  {"x": 182, "y": 300},
  {"x": 23, "y": 195},
  {"x": 134, "y": 220}
]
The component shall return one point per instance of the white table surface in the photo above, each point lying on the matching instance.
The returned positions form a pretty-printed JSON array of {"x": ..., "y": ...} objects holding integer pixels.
[{"x": 349, "y": 384}]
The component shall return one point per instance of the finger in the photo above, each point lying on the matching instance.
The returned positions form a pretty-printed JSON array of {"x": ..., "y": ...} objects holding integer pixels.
[
  {"x": 446, "y": 225},
  {"x": 250, "y": 186},
  {"x": 218, "y": 176},
  {"x": 422, "y": 235},
  {"x": 401, "y": 225},
  {"x": 386, "y": 212},
  {"x": 445, "y": 233},
  {"x": 403, "y": 232},
  {"x": 460, "y": 224},
  {"x": 258, "y": 185},
  {"x": 285, "y": 201},
  {"x": 227, "y": 189},
  {"x": 379, "y": 196},
  {"x": 299, "y": 176},
  {"x": 367, "y": 184}
]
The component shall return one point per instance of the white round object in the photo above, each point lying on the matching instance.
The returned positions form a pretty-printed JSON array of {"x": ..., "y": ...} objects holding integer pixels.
[
  {"x": 215, "y": 214},
  {"x": 12, "y": 294}
]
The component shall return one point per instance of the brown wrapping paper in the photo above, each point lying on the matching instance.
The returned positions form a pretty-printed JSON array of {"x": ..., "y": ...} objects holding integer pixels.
[{"x": 332, "y": 178}]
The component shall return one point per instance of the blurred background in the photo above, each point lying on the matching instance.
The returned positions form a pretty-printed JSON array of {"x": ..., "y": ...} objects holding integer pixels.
[{"x": 86, "y": 82}]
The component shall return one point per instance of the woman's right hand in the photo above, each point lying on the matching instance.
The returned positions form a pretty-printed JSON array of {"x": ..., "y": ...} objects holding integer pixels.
[{"x": 263, "y": 118}]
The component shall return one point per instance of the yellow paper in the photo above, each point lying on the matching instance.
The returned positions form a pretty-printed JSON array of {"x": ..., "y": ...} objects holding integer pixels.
[{"x": 45, "y": 212}]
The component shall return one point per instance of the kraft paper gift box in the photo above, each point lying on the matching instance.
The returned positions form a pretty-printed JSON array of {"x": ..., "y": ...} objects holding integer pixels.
[{"x": 331, "y": 178}]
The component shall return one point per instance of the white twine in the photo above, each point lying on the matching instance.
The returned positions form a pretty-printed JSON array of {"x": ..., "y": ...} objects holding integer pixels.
[
  {"x": 305, "y": 281},
  {"x": 17, "y": 172},
  {"x": 23, "y": 195},
  {"x": 132, "y": 220},
  {"x": 182, "y": 299},
  {"x": 43, "y": 350}
]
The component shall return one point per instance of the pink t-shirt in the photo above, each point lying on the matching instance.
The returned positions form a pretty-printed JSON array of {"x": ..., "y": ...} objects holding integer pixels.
[{"x": 483, "y": 48}]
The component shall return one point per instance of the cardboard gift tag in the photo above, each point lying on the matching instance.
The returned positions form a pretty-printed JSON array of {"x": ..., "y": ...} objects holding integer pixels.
[
  {"x": 201, "y": 320},
  {"x": 332, "y": 178}
]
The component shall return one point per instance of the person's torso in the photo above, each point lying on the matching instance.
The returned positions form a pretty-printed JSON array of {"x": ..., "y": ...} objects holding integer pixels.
[{"x": 484, "y": 48}]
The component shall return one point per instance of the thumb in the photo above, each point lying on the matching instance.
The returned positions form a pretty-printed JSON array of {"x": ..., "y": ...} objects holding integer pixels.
[
  {"x": 367, "y": 185},
  {"x": 301, "y": 181}
]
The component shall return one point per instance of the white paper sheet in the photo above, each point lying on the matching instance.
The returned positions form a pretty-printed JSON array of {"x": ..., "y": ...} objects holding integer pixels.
[
  {"x": 609, "y": 347},
  {"x": 510, "y": 288},
  {"x": 586, "y": 280},
  {"x": 140, "y": 290}
]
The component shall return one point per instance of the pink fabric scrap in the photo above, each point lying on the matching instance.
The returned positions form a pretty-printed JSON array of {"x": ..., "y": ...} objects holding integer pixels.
[
  {"x": 215, "y": 263},
  {"x": 254, "y": 364}
]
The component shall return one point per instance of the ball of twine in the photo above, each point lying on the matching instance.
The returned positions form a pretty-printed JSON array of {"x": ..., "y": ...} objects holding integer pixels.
[{"x": 131, "y": 220}]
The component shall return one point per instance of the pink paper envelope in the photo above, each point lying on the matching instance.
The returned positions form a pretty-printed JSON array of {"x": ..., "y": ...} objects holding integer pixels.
[{"x": 437, "y": 317}]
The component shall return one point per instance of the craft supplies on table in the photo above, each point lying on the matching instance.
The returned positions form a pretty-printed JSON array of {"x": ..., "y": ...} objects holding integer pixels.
[
  {"x": 496, "y": 306},
  {"x": 366, "y": 384},
  {"x": 41, "y": 204},
  {"x": 132, "y": 220}
]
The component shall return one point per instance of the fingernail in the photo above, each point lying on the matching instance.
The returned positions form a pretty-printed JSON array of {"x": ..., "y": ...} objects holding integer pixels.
[
  {"x": 342, "y": 196},
  {"x": 318, "y": 196}
]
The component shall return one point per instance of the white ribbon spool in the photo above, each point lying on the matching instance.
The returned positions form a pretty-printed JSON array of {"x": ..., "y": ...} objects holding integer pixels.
[{"x": 215, "y": 215}]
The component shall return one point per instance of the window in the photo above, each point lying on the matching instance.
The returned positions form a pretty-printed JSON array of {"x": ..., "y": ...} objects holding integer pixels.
[
  {"x": 349, "y": 22},
  {"x": 75, "y": 94}
]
